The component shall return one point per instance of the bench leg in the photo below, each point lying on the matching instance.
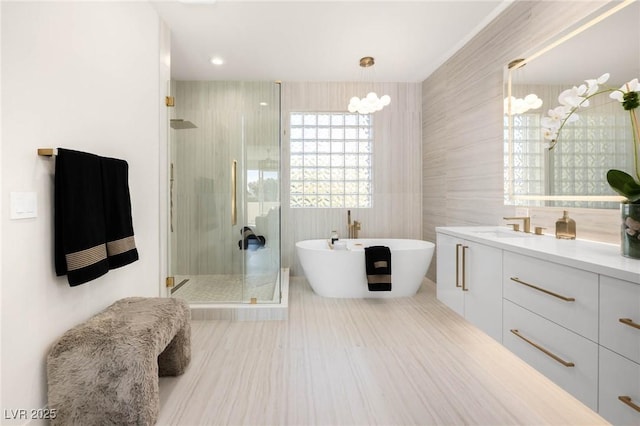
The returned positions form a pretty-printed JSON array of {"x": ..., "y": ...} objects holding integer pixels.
[
  {"x": 96, "y": 389},
  {"x": 175, "y": 358}
]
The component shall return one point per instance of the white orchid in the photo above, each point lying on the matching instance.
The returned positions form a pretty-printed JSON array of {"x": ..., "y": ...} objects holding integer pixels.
[
  {"x": 555, "y": 119},
  {"x": 574, "y": 97},
  {"x": 549, "y": 134},
  {"x": 631, "y": 86},
  {"x": 594, "y": 84}
]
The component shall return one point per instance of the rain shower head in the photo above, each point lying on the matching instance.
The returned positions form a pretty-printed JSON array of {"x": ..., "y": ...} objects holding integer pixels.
[{"x": 179, "y": 124}]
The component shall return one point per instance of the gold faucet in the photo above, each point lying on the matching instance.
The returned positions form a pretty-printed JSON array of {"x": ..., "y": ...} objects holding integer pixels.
[
  {"x": 525, "y": 219},
  {"x": 353, "y": 227}
]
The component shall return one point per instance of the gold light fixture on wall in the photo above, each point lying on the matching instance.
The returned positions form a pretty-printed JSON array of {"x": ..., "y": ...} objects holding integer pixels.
[{"x": 371, "y": 102}]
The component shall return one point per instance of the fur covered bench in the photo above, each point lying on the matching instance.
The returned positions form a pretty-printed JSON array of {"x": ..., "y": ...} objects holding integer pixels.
[{"x": 105, "y": 371}]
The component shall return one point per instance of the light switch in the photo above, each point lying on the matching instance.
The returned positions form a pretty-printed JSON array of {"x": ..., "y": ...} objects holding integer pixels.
[{"x": 24, "y": 205}]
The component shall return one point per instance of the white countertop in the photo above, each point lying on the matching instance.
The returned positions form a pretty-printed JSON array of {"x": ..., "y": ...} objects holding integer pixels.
[{"x": 600, "y": 258}]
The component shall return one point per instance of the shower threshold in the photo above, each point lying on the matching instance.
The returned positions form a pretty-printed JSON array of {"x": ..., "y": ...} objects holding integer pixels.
[{"x": 277, "y": 309}]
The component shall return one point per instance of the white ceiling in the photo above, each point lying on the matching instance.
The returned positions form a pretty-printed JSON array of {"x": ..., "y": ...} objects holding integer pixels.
[{"x": 320, "y": 40}]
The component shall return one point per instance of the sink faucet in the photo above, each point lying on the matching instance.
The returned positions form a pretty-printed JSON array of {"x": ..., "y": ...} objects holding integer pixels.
[
  {"x": 353, "y": 227},
  {"x": 526, "y": 220}
]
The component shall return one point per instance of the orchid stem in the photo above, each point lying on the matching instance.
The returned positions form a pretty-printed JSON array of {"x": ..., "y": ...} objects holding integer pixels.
[{"x": 574, "y": 109}]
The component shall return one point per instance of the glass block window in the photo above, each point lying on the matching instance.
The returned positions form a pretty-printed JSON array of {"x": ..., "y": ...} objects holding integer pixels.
[
  {"x": 331, "y": 160},
  {"x": 528, "y": 156},
  {"x": 600, "y": 140}
]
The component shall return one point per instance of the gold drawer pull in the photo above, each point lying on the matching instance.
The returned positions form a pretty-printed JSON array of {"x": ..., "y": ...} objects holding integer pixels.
[
  {"x": 458, "y": 265},
  {"x": 559, "y": 296},
  {"x": 540, "y": 348},
  {"x": 464, "y": 265},
  {"x": 629, "y": 322},
  {"x": 627, "y": 400}
]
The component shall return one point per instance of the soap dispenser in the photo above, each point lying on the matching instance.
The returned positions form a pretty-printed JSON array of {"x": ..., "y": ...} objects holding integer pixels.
[{"x": 566, "y": 227}]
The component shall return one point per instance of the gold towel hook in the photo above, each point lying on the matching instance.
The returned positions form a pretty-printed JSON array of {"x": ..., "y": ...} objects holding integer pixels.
[{"x": 47, "y": 152}]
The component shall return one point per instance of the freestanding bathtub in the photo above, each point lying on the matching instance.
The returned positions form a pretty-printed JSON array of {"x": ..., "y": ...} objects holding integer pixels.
[{"x": 342, "y": 273}]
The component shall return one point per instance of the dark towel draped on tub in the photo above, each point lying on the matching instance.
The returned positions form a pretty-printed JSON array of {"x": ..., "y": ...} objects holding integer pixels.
[
  {"x": 93, "y": 226},
  {"x": 378, "y": 264}
]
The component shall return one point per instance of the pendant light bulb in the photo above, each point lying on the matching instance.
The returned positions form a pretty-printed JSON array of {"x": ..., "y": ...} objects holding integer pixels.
[{"x": 371, "y": 102}]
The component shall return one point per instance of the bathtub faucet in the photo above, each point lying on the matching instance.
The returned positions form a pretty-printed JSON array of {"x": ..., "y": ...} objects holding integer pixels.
[{"x": 353, "y": 227}]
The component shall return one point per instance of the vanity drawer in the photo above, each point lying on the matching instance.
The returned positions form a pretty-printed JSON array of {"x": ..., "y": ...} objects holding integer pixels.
[
  {"x": 620, "y": 317},
  {"x": 619, "y": 377},
  {"x": 579, "y": 379},
  {"x": 565, "y": 295}
]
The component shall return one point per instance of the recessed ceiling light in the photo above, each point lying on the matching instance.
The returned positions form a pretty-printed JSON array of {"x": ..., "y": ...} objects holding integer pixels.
[
  {"x": 217, "y": 60},
  {"x": 263, "y": 104}
]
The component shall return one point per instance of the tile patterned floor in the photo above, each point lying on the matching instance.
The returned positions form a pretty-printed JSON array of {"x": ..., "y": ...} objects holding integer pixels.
[
  {"x": 404, "y": 361},
  {"x": 226, "y": 288}
]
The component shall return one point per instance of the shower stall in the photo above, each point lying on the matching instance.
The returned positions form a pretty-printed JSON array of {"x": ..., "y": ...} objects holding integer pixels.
[{"x": 224, "y": 192}]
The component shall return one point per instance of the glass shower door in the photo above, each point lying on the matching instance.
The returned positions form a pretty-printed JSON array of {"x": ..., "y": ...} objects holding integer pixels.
[
  {"x": 225, "y": 222},
  {"x": 261, "y": 187}
]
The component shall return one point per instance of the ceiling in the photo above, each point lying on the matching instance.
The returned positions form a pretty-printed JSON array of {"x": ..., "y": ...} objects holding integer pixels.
[{"x": 319, "y": 40}]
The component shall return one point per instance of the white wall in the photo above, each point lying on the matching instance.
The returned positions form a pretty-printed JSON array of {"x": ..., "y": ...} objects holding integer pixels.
[{"x": 85, "y": 76}]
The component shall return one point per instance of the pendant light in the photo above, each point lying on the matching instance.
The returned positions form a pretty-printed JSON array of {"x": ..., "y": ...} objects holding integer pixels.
[
  {"x": 513, "y": 105},
  {"x": 371, "y": 102}
]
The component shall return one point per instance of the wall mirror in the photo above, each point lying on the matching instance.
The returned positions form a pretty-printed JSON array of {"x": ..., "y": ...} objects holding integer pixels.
[{"x": 573, "y": 174}]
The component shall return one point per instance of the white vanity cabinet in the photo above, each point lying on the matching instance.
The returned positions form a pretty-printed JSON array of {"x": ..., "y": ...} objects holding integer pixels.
[
  {"x": 564, "y": 295},
  {"x": 551, "y": 321},
  {"x": 619, "y": 390},
  {"x": 619, "y": 351},
  {"x": 571, "y": 309},
  {"x": 620, "y": 317},
  {"x": 470, "y": 282},
  {"x": 567, "y": 358}
]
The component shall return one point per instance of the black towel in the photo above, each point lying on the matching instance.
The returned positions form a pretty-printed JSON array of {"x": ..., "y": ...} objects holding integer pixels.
[
  {"x": 121, "y": 246},
  {"x": 250, "y": 240},
  {"x": 79, "y": 225},
  {"x": 378, "y": 265},
  {"x": 93, "y": 225}
]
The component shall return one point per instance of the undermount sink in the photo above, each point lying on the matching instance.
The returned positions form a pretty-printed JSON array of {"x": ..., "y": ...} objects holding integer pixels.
[{"x": 503, "y": 233}]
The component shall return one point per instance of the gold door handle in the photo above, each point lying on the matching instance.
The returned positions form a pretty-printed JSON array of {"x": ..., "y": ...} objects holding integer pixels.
[
  {"x": 171, "y": 198},
  {"x": 629, "y": 322},
  {"x": 627, "y": 400},
  {"x": 458, "y": 265},
  {"x": 559, "y": 296},
  {"x": 464, "y": 264},
  {"x": 543, "y": 350},
  {"x": 234, "y": 185}
]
